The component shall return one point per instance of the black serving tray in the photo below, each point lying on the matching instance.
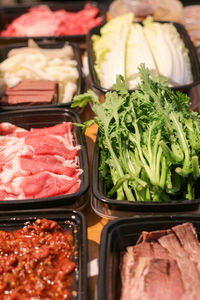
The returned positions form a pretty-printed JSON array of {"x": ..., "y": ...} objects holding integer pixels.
[
  {"x": 46, "y": 117},
  {"x": 99, "y": 192},
  {"x": 195, "y": 65},
  {"x": 69, "y": 220},
  {"x": 46, "y": 45},
  {"x": 119, "y": 234},
  {"x": 9, "y": 13}
]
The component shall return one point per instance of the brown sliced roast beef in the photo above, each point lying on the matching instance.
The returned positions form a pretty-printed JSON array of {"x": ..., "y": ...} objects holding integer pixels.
[
  {"x": 163, "y": 265},
  {"x": 31, "y": 91}
]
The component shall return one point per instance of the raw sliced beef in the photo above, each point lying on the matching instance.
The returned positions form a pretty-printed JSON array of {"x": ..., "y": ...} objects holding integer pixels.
[{"x": 42, "y": 162}]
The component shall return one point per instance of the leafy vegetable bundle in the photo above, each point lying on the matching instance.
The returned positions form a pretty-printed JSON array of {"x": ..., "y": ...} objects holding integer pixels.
[{"x": 149, "y": 141}]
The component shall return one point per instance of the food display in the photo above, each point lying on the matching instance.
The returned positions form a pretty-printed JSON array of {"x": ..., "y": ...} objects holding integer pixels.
[
  {"x": 36, "y": 261},
  {"x": 149, "y": 141},
  {"x": 42, "y": 21},
  {"x": 35, "y": 63},
  {"x": 164, "y": 264},
  {"x": 122, "y": 45},
  {"x": 38, "y": 163}
]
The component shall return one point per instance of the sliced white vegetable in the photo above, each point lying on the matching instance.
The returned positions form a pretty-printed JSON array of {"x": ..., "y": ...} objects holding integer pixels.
[
  {"x": 160, "y": 49},
  {"x": 110, "y": 49},
  {"x": 137, "y": 52}
]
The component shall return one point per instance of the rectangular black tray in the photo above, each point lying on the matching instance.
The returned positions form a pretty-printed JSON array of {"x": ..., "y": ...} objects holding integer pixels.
[
  {"x": 119, "y": 234},
  {"x": 99, "y": 192},
  {"x": 69, "y": 220},
  {"x": 46, "y": 45},
  {"x": 195, "y": 65},
  {"x": 46, "y": 117},
  {"x": 9, "y": 13}
]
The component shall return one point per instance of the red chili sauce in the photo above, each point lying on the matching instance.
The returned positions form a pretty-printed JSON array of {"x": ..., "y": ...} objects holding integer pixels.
[{"x": 35, "y": 262}]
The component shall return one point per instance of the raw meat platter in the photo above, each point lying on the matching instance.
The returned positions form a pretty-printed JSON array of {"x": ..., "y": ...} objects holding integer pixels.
[
  {"x": 81, "y": 16},
  {"x": 44, "y": 158}
]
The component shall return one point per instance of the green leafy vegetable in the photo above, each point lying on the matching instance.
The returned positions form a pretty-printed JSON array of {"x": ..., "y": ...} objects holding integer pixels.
[{"x": 149, "y": 141}]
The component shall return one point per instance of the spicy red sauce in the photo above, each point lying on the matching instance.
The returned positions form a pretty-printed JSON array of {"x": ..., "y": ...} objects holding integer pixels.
[{"x": 36, "y": 262}]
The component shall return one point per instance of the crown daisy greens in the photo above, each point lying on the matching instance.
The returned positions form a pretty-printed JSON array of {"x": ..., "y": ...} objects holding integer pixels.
[{"x": 149, "y": 141}]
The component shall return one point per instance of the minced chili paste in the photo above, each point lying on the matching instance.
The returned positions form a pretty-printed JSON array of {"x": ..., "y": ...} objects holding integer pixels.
[{"x": 36, "y": 262}]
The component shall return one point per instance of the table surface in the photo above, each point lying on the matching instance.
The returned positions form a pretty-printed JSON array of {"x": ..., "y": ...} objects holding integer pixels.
[{"x": 95, "y": 223}]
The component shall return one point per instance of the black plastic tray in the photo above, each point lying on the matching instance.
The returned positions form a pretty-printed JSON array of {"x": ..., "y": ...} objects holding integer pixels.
[
  {"x": 46, "y": 45},
  {"x": 69, "y": 220},
  {"x": 119, "y": 234},
  {"x": 44, "y": 118},
  {"x": 9, "y": 13},
  {"x": 99, "y": 192},
  {"x": 195, "y": 65}
]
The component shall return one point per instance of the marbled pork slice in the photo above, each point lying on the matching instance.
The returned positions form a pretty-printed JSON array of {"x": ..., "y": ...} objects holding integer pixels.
[
  {"x": 43, "y": 184},
  {"x": 31, "y": 164}
]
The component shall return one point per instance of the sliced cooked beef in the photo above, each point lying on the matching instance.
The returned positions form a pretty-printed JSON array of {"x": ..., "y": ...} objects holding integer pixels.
[
  {"x": 151, "y": 236},
  {"x": 188, "y": 269},
  {"x": 163, "y": 265},
  {"x": 166, "y": 274},
  {"x": 188, "y": 238}
]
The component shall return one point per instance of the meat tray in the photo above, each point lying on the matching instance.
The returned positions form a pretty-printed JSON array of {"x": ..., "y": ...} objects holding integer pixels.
[
  {"x": 45, "y": 117},
  {"x": 46, "y": 45},
  {"x": 9, "y": 13},
  {"x": 99, "y": 193},
  {"x": 69, "y": 220},
  {"x": 188, "y": 44},
  {"x": 119, "y": 234}
]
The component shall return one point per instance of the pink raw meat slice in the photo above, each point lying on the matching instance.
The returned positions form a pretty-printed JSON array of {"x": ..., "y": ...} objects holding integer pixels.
[
  {"x": 44, "y": 184},
  {"x": 52, "y": 163},
  {"x": 33, "y": 164},
  {"x": 59, "y": 129},
  {"x": 8, "y": 128},
  {"x": 10, "y": 147},
  {"x": 47, "y": 144},
  {"x": 42, "y": 162}
]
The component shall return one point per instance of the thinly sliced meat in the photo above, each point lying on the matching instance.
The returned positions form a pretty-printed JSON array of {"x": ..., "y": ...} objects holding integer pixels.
[
  {"x": 188, "y": 269},
  {"x": 187, "y": 236},
  {"x": 166, "y": 274},
  {"x": 44, "y": 184},
  {"x": 43, "y": 98},
  {"x": 49, "y": 144},
  {"x": 132, "y": 257},
  {"x": 8, "y": 128},
  {"x": 26, "y": 165},
  {"x": 11, "y": 147},
  {"x": 58, "y": 129},
  {"x": 42, "y": 162},
  {"x": 152, "y": 236}
]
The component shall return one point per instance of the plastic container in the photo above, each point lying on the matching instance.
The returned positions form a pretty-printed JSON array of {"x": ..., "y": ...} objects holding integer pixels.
[
  {"x": 9, "y": 13},
  {"x": 69, "y": 220},
  {"x": 119, "y": 234},
  {"x": 46, "y": 45},
  {"x": 112, "y": 208},
  {"x": 45, "y": 118},
  {"x": 195, "y": 65}
]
